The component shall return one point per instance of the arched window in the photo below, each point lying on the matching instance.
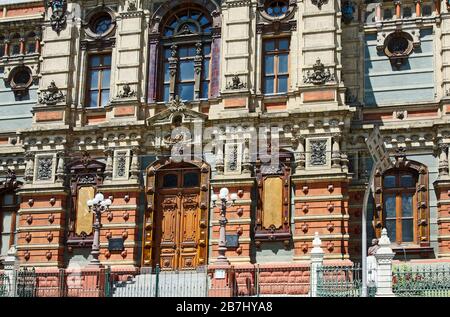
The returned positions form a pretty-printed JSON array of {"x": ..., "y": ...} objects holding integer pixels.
[
  {"x": 401, "y": 203},
  {"x": 186, "y": 54},
  {"x": 31, "y": 46}
]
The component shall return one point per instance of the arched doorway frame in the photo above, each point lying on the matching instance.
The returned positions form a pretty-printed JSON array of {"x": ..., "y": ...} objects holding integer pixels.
[{"x": 149, "y": 217}]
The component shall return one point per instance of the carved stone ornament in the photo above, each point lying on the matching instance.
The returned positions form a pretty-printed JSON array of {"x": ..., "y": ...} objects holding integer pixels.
[
  {"x": 319, "y": 75},
  {"x": 319, "y": 3},
  {"x": 176, "y": 105},
  {"x": 236, "y": 84},
  {"x": 318, "y": 152},
  {"x": 58, "y": 18},
  {"x": 52, "y": 96},
  {"x": 44, "y": 169},
  {"x": 132, "y": 5},
  {"x": 126, "y": 92}
]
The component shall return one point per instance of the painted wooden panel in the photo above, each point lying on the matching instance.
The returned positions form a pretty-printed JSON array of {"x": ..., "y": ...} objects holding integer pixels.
[
  {"x": 84, "y": 218},
  {"x": 273, "y": 202}
]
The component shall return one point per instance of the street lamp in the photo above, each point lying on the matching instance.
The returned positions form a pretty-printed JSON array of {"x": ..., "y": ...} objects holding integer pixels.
[
  {"x": 98, "y": 205},
  {"x": 225, "y": 202}
]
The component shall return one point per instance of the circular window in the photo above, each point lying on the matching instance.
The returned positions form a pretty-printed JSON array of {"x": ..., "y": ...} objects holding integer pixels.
[
  {"x": 102, "y": 24},
  {"x": 22, "y": 78},
  {"x": 277, "y": 8},
  {"x": 398, "y": 45}
]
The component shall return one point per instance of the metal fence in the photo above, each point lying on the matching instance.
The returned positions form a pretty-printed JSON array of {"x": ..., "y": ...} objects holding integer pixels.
[
  {"x": 148, "y": 282},
  {"x": 421, "y": 280},
  {"x": 341, "y": 281},
  {"x": 27, "y": 282}
]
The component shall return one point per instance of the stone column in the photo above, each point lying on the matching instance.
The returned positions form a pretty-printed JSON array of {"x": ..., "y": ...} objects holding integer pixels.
[
  {"x": 443, "y": 159},
  {"x": 336, "y": 152},
  {"x": 219, "y": 158},
  {"x": 60, "y": 167},
  {"x": 246, "y": 165},
  {"x": 29, "y": 169},
  {"x": 109, "y": 164},
  {"x": 300, "y": 154},
  {"x": 11, "y": 265},
  {"x": 384, "y": 256},
  {"x": 317, "y": 255},
  {"x": 135, "y": 163}
]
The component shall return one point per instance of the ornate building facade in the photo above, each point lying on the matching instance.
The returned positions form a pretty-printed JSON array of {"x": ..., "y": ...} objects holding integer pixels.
[{"x": 160, "y": 104}]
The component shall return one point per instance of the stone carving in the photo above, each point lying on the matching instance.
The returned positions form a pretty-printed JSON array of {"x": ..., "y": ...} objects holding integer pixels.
[
  {"x": 232, "y": 158},
  {"x": 58, "y": 18},
  {"x": 319, "y": 76},
  {"x": 236, "y": 83},
  {"x": 318, "y": 152},
  {"x": 176, "y": 105},
  {"x": 44, "y": 168},
  {"x": 121, "y": 164},
  {"x": 126, "y": 92},
  {"x": 319, "y": 3},
  {"x": 132, "y": 5},
  {"x": 52, "y": 96}
]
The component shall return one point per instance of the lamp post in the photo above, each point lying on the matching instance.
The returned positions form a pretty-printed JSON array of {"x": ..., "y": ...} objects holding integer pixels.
[
  {"x": 225, "y": 202},
  {"x": 98, "y": 205}
]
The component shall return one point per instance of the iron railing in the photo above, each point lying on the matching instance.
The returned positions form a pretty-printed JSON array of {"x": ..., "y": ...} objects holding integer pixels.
[
  {"x": 341, "y": 281},
  {"x": 421, "y": 280}
]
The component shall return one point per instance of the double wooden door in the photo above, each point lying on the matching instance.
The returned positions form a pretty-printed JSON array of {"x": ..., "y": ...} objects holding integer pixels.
[{"x": 177, "y": 219}]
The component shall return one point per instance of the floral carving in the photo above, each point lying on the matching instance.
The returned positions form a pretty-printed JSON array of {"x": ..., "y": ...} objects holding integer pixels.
[
  {"x": 44, "y": 171},
  {"x": 318, "y": 152}
]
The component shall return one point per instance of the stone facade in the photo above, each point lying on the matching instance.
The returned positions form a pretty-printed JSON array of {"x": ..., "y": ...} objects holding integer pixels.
[{"x": 343, "y": 80}]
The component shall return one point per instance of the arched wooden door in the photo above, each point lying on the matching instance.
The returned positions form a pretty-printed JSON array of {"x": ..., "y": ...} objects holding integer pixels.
[{"x": 179, "y": 230}]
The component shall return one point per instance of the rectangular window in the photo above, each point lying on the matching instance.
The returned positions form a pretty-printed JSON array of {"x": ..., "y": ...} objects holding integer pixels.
[
  {"x": 398, "y": 198},
  {"x": 276, "y": 66},
  {"x": 8, "y": 209},
  {"x": 98, "y": 80},
  {"x": 185, "y": 79}
]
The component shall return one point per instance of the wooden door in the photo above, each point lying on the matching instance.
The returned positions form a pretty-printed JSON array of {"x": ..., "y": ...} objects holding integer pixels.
[{"x": 177, "y": 219}]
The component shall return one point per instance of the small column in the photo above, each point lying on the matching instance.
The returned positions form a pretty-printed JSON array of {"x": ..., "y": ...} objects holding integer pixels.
[
  {"x": 134, "y": 170},
  {"x": 219, "y": 158},
  {"x": 336, "y": 152},
  {"x": 11, "y": 265},
  {"x": 29, "y": 169},
  {"x": 38, "y": 44},
  {"x": 198, "y": 62},
  {"x": 246, "y": 165},
  {"x": 317, "y": 255},
  {"x": 443, "y": 159},
  {"x": 300, "y": 154},
  {"x": 60, "y": 167},
  {"x": 7, "y": 44},
  {"x": 173, "y": 62},
  {"x": 378, "y": 12},
  {"x": 418, "y": 4},
  {"x": 22, "y": 46},
  {"x": 384, "y": 258},
  {"x": 109, "y": 164},
  {"x": 398, "y": 13}
]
